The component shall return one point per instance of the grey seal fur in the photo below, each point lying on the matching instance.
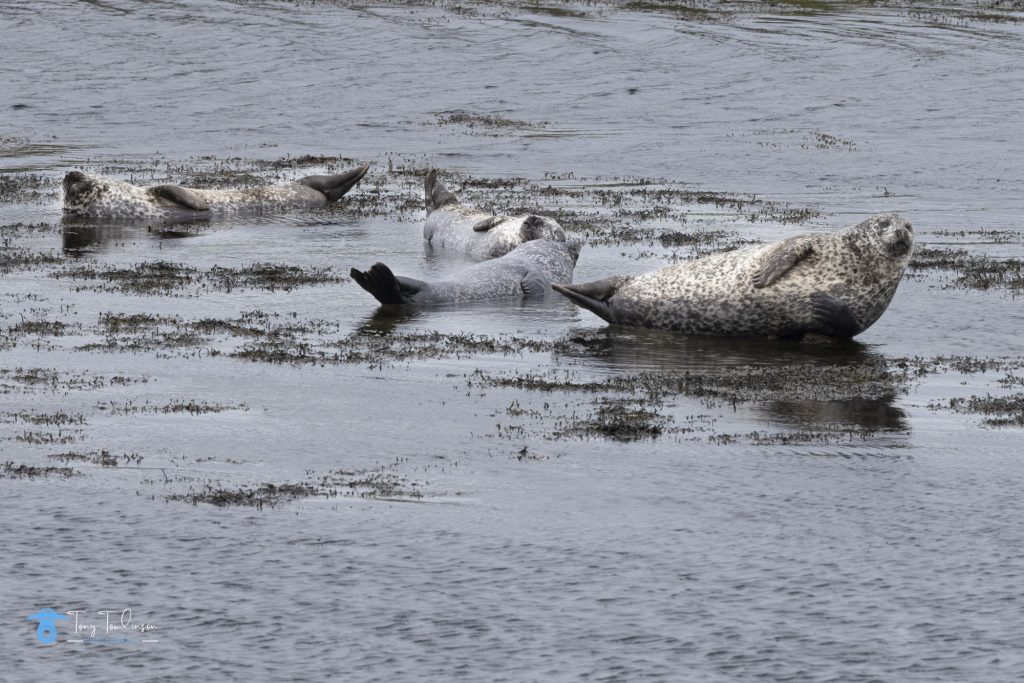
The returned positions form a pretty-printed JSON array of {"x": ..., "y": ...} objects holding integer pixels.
[
  {"x": 450, "y": 225},
  {"x": 830, "y": 284},
  {"x": 100, "y": 197},
  {"x": 526, "y": 272}
]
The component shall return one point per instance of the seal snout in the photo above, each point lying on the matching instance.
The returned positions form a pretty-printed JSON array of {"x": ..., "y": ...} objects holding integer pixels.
[{"x": 901, "y": 240}]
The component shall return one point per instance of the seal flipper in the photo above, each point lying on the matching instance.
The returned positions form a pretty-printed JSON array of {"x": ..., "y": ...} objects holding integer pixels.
[
  {"x": 182, "y": 196},
  {"x": 334, "y": 187},
  {"x": 594, "y": 296},
  {"x": 384, "y": 286},
  {"x": 534, "y": 284},
  {"x": 833, "y": 316},
  {"x": 435, "y": 194},
  {"x": 485, "y": 224},
  {"x": 780, "y": 260}
]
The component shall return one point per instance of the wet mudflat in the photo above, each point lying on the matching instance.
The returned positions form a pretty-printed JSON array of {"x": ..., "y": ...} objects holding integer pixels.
[{"x": 210, "y": 424}]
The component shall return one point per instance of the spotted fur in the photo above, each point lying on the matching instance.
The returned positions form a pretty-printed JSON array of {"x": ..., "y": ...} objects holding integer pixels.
[
  {"x": 97, "y": 196},
  {"x": 480, "y": 234},
  {"x": 836, "y": 285},
  {"x": 525, "y": 272}
]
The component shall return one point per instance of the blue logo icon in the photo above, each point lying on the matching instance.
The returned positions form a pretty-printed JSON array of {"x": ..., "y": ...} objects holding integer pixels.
[{"x": 47, "y": 631}]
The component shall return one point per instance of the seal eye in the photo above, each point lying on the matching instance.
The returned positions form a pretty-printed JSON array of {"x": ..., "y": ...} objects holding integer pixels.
[{"x": 884, "y": 224}]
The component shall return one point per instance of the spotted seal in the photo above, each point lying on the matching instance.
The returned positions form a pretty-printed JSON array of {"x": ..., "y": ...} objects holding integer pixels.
[
  {"x": 99, "y": 197},
  {"x": 526, "y": 272},
  {"x": 450, "y": 225},
  {"x": 836, "y": 285}
]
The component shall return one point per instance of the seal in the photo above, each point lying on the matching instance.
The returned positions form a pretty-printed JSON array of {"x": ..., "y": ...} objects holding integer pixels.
[
  {"x": 451, "y": 225},
  {"x": 836, "y": 285},
  {"x": 526, "y": 272},
  {"x": 100, "y": 197}
]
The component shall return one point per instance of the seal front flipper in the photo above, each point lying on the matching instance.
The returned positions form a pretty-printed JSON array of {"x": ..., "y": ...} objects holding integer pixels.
[
  {"x": 182, "y": 196},
  {"x": 485, "y": 224},
  {"x": 384, "y": 286},
  {"x": 594, "y": 296},
  {"x": 334, "y": 187},
  {"x": 780, "y": 259},
  {"x": 435, "y": 194},
  {"x": 833, "y": 317},
  {"x": 534, "y": 284}
]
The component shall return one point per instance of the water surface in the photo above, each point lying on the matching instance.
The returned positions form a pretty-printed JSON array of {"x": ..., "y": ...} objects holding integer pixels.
[{"x": 794, "y": 535}]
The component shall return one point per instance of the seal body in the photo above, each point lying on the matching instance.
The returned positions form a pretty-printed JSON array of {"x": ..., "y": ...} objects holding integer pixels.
[
  {"x": 528, "y": 271},
  {"x": 451, "y": 225},
  {"x": 836, "y": 285},
  {"x": 100, "y": 197}
]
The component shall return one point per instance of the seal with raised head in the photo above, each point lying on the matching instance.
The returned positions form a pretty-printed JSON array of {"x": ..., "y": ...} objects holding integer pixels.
[
  {"x": 836, "y": 285},
  {"x": 526, "y": 272},
  {"x": 450, "y": 225},
  {"x": 100, "y": 197}
]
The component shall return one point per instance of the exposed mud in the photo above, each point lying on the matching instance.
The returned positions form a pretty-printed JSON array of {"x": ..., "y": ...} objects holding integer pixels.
[
  {"x": 47, "y": 380},
  {"x": 169, "y": 279},
  {"x": 332, "y": 485},
  {"x": 971, "y": 271},
  {"x": 999, "y": 411},
  {"x": 9, "y": 470}
]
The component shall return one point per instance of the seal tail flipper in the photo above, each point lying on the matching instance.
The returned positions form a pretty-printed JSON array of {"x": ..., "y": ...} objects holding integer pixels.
[
  {"x": 593, "y": 296},
  {"x": 435, "y": 194},
  {"x": 334, "y": 187},
  {"x": 385, "y": 286}
]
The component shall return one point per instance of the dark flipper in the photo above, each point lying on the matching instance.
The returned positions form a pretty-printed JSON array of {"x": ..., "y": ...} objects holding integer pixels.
[
  {"x": 534, "y": 284},
  {"x": 384, "y": 286},
  {"x": 485, "y": 224},
  {"x": 334, "y": 187},
  {"x": 182, "y": 196},
  {"x": 781, "y": 259},
  {"x": 833, "y": 316},
  {"x": 435, "y": 194},
  {"x": 594, "y": 296}
]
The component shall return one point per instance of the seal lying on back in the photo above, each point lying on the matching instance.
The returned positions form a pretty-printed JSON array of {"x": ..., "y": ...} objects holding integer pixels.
[
  {"x": 453, "y": 226},
  {"x": 527, "y": 271},
  {"x": 96, "y": 196},
  {"x": 836, "y": 285}
]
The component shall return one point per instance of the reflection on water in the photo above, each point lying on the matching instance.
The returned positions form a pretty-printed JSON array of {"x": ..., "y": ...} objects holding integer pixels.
[
  {"x": 633, "y": 348},
  {"x": 880, "y": 415},
  {"x": 81, "y": 235},
  {"x": 626, "y": 349},
  {"x": 386, "y": 319}
]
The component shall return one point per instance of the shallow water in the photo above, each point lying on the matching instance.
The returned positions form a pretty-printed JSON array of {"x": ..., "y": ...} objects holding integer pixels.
[{"x": 802, "y": 533}]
